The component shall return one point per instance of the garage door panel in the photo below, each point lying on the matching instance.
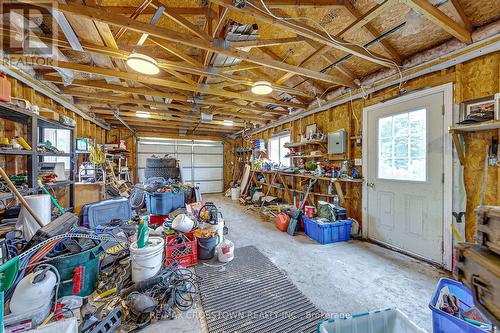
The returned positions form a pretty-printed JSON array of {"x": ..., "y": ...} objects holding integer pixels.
[
  {"x": 185, "y": 159},
  {"x": 208, "y": 150},
  {"x": 208, "y": 174},
  {"x": 186, "y": 174},
  {"x": 210, "y": 186},
  {"x": 184, "y": 149},
  {"x": 208, "y": 160},
  {"x": 156, "y": 148},
  {"x": 140, "y": 175},
  {"x": 201, "y": 161}
]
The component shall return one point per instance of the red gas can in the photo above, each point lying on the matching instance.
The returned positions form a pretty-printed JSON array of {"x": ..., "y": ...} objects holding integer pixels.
[
  {"x": 4, "y": 88},
  {"x": 282, "y": 221}
]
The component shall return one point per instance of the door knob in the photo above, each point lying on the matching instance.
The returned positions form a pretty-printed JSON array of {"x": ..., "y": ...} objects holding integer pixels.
[{"x": 372, "y": 185}]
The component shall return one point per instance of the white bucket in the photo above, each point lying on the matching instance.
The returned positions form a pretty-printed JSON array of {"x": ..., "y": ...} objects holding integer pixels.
[
  {"x": 225, "y": 251},
  {"x": 235, "y": 193},
  {"x": 147, "y": 261},
  {"x": 182, "y": 223}
]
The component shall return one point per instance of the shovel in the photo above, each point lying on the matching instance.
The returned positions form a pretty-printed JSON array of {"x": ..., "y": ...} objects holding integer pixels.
[{"x": 292, "y": 227}]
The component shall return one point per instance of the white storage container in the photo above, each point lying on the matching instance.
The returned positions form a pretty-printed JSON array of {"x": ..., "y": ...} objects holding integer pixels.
[{"x": 379, "y": 321}]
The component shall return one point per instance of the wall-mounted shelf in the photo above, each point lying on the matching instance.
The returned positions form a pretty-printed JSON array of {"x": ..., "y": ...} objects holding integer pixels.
[
  {"x": 281, "y": 177},
  {"x": 305, "y": 156},
  {"x": 458, "y": 131},
  {"x": 484, "y": 126},
  {"x": 305, "y": 143},
  {"x": 15, "y": 152}
]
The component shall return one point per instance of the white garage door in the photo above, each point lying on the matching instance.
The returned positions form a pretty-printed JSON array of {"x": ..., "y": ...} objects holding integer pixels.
[{"x": 202, "y": 161}]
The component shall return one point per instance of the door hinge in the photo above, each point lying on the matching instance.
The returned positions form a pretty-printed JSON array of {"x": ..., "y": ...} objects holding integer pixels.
[
  {"x": 442, "y": 109},
  {"x": 442, "y": 178}
]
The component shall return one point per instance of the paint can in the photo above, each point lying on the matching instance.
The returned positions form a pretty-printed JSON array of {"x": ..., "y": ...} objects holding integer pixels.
[
  {"x": 309, "y": 211},
  {"x": 235, "y": 193}
]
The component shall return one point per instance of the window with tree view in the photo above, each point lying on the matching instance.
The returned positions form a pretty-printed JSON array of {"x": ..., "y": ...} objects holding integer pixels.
[
  {"x": 402, "y": 146},
  {"x": 277, "y": 151}
]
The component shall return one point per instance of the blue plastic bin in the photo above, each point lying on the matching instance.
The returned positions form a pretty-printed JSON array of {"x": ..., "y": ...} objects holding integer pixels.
[
  {"x": 443, "y": 322},
  {"x": 178, "y": 200},
  {"x": 159, "y": 203},
  {"x": 328, "y": 232}
]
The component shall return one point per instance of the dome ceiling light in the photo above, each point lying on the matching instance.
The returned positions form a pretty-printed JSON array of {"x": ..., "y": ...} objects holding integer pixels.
[
  {"x": 261, "y": 88},
  {"x": 143, "y": 64}
]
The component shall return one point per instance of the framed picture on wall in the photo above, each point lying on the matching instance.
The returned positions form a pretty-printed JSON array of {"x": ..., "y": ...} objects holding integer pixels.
[
  {"x": 477, "y": 110},
  {"x": 310, "y": 130}
]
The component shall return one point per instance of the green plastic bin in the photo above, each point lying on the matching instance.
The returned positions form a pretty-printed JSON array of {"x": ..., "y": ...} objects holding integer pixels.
[{"x": 66, "y": 266}]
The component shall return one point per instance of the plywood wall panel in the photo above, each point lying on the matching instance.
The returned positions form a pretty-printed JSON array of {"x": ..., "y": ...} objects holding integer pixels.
[{"x": 474, "y": 79}]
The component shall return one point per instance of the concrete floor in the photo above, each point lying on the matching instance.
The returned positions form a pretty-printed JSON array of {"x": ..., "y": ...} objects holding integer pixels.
[{"x": 346, "y": 277}]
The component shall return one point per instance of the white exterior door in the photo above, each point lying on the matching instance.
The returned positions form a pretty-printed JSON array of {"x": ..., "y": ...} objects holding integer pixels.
[
  {"x": 202, "y": 162},
  {"x": 405, "y": 175}
]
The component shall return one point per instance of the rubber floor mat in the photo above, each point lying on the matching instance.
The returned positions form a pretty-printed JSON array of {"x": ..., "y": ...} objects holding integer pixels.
[{"x": 251, "y": 294}]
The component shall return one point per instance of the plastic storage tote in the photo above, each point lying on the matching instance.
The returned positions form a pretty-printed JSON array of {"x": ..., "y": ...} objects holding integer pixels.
[
  {"x": 159, "y": 203},
  {"x": 178, "y": 200},
  {"x": 443, "y": 322},
  {"x": 328, "y": 232},
  {"x": 380, "y": 321}
]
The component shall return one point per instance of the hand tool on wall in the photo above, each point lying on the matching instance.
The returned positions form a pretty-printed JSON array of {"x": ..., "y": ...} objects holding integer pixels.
[
  {"x": 292, "y": 227},
  {"x": 20, "y": 197}
]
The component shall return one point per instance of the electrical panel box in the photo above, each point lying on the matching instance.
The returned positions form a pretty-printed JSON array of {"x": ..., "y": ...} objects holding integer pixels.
[{"x": 336, "y": 142}]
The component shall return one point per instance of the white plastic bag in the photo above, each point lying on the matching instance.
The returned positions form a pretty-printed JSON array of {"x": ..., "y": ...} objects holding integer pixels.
[{"x": 225, "y": 251}]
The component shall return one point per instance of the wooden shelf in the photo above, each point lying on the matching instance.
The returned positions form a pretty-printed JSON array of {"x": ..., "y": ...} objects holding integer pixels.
[
  {"x": 458, "y": 130},
  {"x": 300, "y": 144},
  {"x": 341, "y": 180},
  {"x": 55, "y": 154},
  {"x": 484, "y": 126},
  {"x": 305, "y": 156},
  {"x": 15, "y": 152}
]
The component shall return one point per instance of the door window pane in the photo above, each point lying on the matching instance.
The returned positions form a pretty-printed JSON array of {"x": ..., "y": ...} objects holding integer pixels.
[{"x": 402, "y": 146}]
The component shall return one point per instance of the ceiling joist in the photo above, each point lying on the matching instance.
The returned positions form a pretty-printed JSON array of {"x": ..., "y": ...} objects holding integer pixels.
[{"x": 440, "y": 19}]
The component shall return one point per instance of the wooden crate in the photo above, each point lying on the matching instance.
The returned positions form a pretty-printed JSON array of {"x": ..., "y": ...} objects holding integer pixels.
[
  {"x": 479, "y": 269},
  {"x": 488, "y": 227}
]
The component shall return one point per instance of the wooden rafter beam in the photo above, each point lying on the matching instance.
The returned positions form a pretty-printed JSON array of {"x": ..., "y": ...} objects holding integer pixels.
[
  {"x": 129, "y": 10},
  {"x": 440, "y": 19},
  {"x": 307, "y": 32},
  {"x": 185, "y": 39},
  {"x": 167, "y": 117},
  {"x": 135, "y": 14},
  {"x": 374, "y": 34},
  {"x": 169, "y": 124},
  {"x": 194, "y": 67},
  {"x": 266, "y": 42},
  {"x": 367, "y": 17},
  {"x": 303, "y": 3},
  {"x": 218, "y": 113},
  {"x": 463, "y": 17},
  {"x": 151, "y": 80},
  {"x": 152, "y": 92},
  {"x": 182, "y": 21}
]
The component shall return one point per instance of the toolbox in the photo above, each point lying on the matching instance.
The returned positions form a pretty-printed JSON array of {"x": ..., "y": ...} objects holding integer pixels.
[
  {"x": 488, "y": 227},
  {"x": 479, "y": 269},
  {"x": 104, "y": 212}
]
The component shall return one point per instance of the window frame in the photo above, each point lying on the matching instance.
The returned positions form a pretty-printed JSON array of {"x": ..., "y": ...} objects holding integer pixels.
[
  {"x": 280, "y": 149},
  {"x": 426, "y": 157}
]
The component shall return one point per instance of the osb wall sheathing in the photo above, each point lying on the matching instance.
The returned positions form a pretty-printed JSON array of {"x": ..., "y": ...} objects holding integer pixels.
[
  {"x": 8, "y": 129},
  {"x": 474, "y": 79}
]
